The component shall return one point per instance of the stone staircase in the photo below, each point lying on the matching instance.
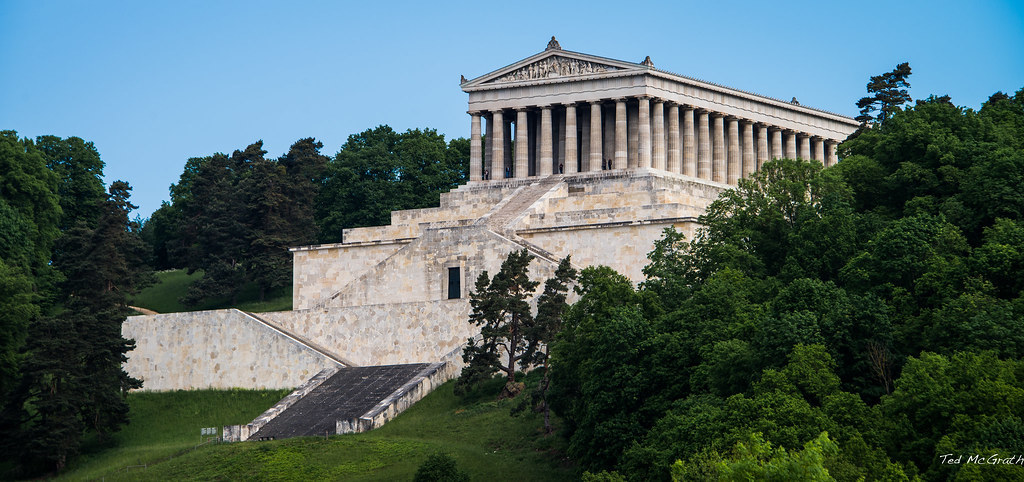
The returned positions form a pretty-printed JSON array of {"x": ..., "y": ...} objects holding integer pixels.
[
  {"x": 344, "y": 400},
  {"x": 501, "y": 221}
]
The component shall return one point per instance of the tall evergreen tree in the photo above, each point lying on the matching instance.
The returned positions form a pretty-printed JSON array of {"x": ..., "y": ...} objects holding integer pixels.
[
  {"x": 73, "y": 380},
  {"x": 551, "y": 306},
  {"x": 888, "y": 93},
  {"x": 501, "y": 310}
]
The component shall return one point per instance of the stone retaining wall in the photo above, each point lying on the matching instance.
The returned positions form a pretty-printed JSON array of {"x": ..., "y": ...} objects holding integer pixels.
[{"x": 216, "y": 349}]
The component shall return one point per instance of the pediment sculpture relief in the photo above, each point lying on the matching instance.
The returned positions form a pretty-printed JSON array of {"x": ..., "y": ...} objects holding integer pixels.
[{"x": 552, "y": 67}]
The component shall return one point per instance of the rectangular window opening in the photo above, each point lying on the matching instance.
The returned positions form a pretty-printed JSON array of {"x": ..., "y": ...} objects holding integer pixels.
[{"x": 454, "y": 284}]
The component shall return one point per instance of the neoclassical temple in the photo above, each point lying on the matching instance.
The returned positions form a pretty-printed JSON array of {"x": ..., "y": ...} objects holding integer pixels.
[
  {"x": 583, "y": 156},
  {"x": 563, "y": 112}
]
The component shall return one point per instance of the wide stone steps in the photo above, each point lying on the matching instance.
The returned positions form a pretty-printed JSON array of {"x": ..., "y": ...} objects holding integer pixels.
[
  {"x": 525, "y": 198},
  {"x": 348, "y": 394}
]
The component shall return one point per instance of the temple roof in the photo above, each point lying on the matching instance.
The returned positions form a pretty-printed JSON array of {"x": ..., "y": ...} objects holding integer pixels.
[{"x": 555, "y": 65}]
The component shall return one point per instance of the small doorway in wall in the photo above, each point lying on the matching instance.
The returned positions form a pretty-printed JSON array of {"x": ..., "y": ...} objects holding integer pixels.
[{"x": 454, "y": 283}]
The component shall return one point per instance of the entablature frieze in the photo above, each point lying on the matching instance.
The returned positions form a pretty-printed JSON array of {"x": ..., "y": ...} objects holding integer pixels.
[{"x": 746, "y": 107}]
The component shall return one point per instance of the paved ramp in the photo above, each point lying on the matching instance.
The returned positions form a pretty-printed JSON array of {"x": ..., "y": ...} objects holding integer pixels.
[{"x": 348, "y": 394}]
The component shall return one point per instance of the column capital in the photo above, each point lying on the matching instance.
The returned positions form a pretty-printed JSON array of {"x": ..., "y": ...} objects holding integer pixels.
[
  {"x": 774, "y": 128},
  {"x": 567, "y": 104},
  {"x": 474, "y": 112},
  {"x": 716, "y": 115},
  {"x": 803, "y": 135}
]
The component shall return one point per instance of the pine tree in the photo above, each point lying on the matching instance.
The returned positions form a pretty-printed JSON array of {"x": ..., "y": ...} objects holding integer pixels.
[
  {"x": 73, "y": 380},
  {"x": 501, "y": 309},
  {"x": 551, "y": 305},
  {"x": 889, "y": 93}
]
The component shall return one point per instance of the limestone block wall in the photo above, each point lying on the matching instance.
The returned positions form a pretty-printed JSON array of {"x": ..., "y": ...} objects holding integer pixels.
[
  {"x": 319, "y": 271},
  {"x": 216, "y": 349},
  {"x": 623, "y": 248},
  {"x": 384, "y": 334},
  {"x": 418, "y": 272}
]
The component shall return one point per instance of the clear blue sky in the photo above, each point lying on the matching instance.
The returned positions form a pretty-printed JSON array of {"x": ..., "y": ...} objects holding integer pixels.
[{"x": 154, "y": 83}]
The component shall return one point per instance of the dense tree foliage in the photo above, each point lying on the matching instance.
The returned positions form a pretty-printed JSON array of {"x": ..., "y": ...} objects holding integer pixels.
[
  {"x": 30, "y": 216},
  {"x": 69, "y": 258},
  {"x": 379, "y": 170},
  {"x": 234, "y": 217},
  {"x": 878, "y": 302}
]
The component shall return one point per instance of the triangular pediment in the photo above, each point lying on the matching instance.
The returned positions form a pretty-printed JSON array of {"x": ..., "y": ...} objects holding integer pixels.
[{"x": 553, "y": 65}]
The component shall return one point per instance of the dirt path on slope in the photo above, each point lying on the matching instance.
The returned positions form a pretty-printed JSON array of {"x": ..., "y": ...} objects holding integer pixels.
[{"x": 144, "y": 311}]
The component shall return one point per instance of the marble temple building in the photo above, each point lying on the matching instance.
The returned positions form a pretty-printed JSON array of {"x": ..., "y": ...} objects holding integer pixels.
[{"x": 571, "y": 154}]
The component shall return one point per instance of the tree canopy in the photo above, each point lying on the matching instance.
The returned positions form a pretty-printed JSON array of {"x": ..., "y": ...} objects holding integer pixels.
[
  {"x": 847, "y": 322},
  {"x": 69, "y": 258}
]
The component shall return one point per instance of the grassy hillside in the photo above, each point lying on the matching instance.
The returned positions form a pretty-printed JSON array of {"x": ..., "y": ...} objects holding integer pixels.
[
  {"x": 171, "y": 285},
  {"x": 167, "y": 423},
  {"x": 477, "y": 431}
]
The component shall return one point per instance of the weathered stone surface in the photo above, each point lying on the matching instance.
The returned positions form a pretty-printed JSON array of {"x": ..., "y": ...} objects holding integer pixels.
[
  {"x": 216, "y": 349},
  {"x": 382, "y": 334}
]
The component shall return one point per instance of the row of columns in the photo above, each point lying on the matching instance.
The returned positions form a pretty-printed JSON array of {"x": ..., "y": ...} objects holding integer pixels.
[{"x": 668, "y": 136}]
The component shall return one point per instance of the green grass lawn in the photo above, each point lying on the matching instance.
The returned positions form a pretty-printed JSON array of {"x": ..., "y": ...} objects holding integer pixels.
[
  {"x": 476, "y": 430},
  {"x": 164, "y": 424},
  {"x": 171, "y": 285}
]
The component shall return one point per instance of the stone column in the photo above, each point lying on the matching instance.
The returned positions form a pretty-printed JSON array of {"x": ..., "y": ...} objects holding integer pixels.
[
  {"x": 620, "y": 134},
  {"x": 546, "y": 158},
  {"x": 733, "y": 162},
  {"x": 569, "y": 157},
  {"x": 791, "y": 144},
  {"x": 658, "y": 142},
  {"x": 476, "y": 159},
  {"x": 689, "y": 143},
  {"x": 675, "y": 159},
  {"x": 596, "y": 143},
  {"x": 762, "y": 145},
  {"x": 498, "y": 145},
  {"x": 522, "y": 166},
  {"x": 830, "y": 153},
  {"x": 748, "y": 149},
  {"x": 488, "y": 149},
  {"x": 644, "y": 146},
  {"x": 718, "y": 149},
  {"x": 819, "y": 149},
  {"x": 805, "y": 147},
  {"x": 584, "y": 152},
  {"x": 508, "y": 161},
  {"x": 704, "y": 147},
  {"x": 633, "y": 141},
  {"x": 776, "y": 143}
]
